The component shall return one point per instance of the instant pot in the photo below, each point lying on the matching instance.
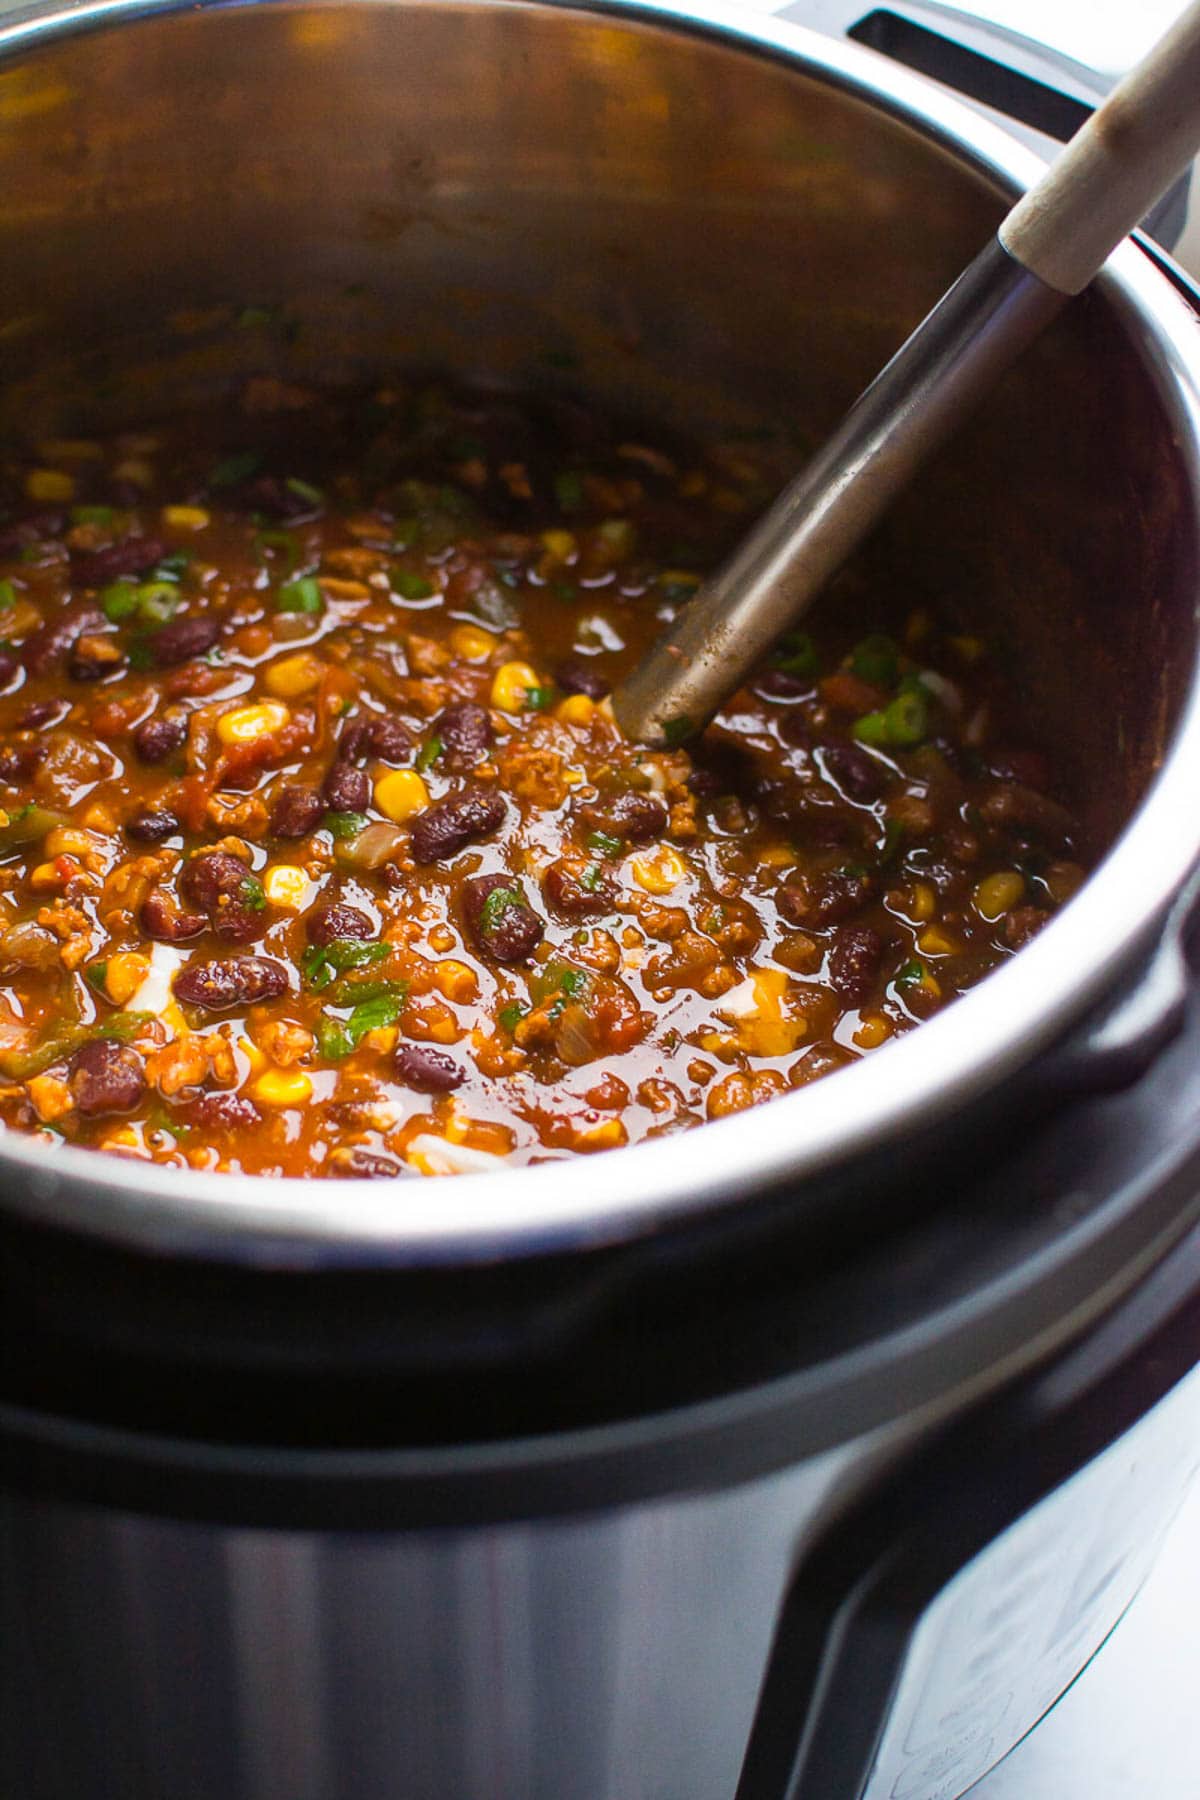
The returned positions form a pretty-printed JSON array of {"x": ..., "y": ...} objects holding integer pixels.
[{"x": 806, "y": 1456}]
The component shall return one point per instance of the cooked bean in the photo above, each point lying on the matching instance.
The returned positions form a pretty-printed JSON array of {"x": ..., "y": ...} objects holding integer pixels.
[
  {"x": 222, "y": 1112},
  {"x": 43, "y": 712},
  {"x": 345, "y": 789},
  {"x": 214, "y": 876},
  {"x": 184, "y": 639},
  {"x": 1011, "y": 807},
  {"x": 106, "y": 1077},
  {"x": 430, "y": 1070},
  {"x": 445, "y": 829},
  {"x": 8, "y": 667},
  {"x": 381, "y": 736},
  {"x": 861, "y": 776},
  {"x": 816, "y": 900},
  {"x": 636, "y": 817},
  {"x": 579, "y": 675},
  {"x": 18, "y": 761},
  {"x": 854, "y": 963},
  {"x": 367, "y": 1165},
  {"x": 51, "y": 642},
  {"x": 325, "y": 923},
  {"x": 576, "y": 892},
  {"x": 296, "y": 811},
  {"x": 167, "y": 923},
  {"x": 151, "y": 827},
  {"x": 93, "y": 656},
  {"x": 466, "y": 734},
  {"x": 131, "y": 556},
  {"x": 500, "y": 919},
  {"x": 156, "y": 739},
  {"x": 238, "y": 981}
]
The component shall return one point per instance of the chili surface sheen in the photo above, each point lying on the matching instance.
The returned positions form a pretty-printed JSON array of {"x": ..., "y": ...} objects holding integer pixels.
[{"x": 320, "y": 852}]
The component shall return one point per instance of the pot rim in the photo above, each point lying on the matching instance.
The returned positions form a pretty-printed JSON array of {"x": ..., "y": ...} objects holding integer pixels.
[{"x": 972, "y": 1047}]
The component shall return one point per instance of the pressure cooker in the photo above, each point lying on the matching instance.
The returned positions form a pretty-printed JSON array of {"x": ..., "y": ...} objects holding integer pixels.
[{"x": 806, "y": 1456}]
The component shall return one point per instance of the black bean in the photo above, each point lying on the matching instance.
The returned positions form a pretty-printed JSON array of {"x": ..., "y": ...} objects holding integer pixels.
[
  {"x": 18, "y": 761},
  {"x": 579, "y": 675},
  {"x": 213, "y": 876},
  {"x": 106, "y": 1077},
  {"x": 507, "y": 929},
  {"x": 345, "y": 789},
  {"x": 238, "y": 981},
  {"x": 151, "y": 827},
  {"x": 49, "y": 644},
  {"x": 633, "y": 816},
  {"x": 131, "y": 556},
  {"x": 824, "y": 898},
  {"x": 572, "y": 897},
  {"x": 325, "y": 923},
  {"x": 391, "y": 741},
  {"x": 855, "y": 771},
  {"x": 167, "y": 923},
  {"x": 430, "y": 1070},
  {"x": 445, "y": 829},
  {"x": 156, "y": 739},
  {"x": 183, "y": 639},
  {"x": 854, "y": 963},
  {"x": 222, "y": 1112},
  {"x": 466, "y": 734},
  {"x": 296, "y": 812},
  {"x": 354, "y": 744},
  {"x": 777, "y": 684}
]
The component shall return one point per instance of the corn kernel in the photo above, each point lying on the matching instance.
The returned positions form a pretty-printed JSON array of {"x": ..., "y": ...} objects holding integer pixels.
[
  {"x": 49, "y": 484},
  {"x": 67, "y": 840},
  {"x": 294, "y": 676},
  {"x": 287, "y": 886},
  {"x": 245, "y": 724},
  {"x": 923, "y": 902},
  {"x": 455, "y": 980},
  {"x": 873, "y": 1031},
  {"x": 560, "y": 544},
  {"x": 399, "y": 794},
  {"x": 282, "y": 1087},
  {"x": 933, "y": 941},
  {"x": 610, "y": 1134},
  {"x": 576, "y": 709},
  {"x": 472, "y": 642},
  {"x": 185, "y": 518},
  {"x": 254, "y": 1056},
  {"x": 51, "y": 1097},
  {"x": 124, "y": 974},
  {"x": 510, "y": 689},
  {"x": 998, "y": 894},
  {"x": 56, "y": 450},
  {"x": 659, "y": 870}
]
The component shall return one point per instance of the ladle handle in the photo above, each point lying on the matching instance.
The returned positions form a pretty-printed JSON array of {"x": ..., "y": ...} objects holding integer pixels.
[{"x": 1048, "y": 248}]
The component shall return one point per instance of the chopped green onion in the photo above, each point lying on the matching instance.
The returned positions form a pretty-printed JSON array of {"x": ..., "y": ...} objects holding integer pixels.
[
  {"x": 232, "y": 469},
  {"x": 876, "y": 660},
  {"x": 590, "y": 879},
  {"x": 410, "y": 586},
  {"x": 303, "y": 596},
  {"x": 429, "y": 752},
  {"x": 64, "y": 1040},
  {"x": 173, "y": 567},
  {"x": 92, "y": 515},
  {"x": 899, "y": 725},
  {"x": 337, "y": 1039},
  {"x": 510, "y": 1016},
  {"x": 304, "y": 490},
  {"x": 796, "y": 654},
  {"x": 286, "y": 541},
  {"x": 574, "y": 982},
  {"x": 343, "y": 825},
  {"x": 333, "y": 1040},
  {"x": 539, "y": 699},
  {"x": 8, "y": 595},
  {"x": 120, "y": 601},
  {"x": 96, "y": 975},
  {"x": 252, "y": 893},
  {"x": 157, "y": 601}
]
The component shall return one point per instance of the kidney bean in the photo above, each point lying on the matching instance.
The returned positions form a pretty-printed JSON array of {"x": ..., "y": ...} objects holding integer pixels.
[
  {"x": 222, "y": 1112},
  {"x": 345, "y": 789},
  {"x": 237, "y": 923},
  {"x": 579, "y": 675},
  {"x": 43, "y": 712},
  {"x": 131, "y": 556},
  {"x": 368, "y": 1165},
  {"x": 8, "y": 667},
  {"x": 777, "y": 684},
  {"x": 565, "y": 891},
  {"x": 430, "y": 1070},
  {"x": 859, "y": 775},
  {"x": 93, "y": 656},
  {"x": 106, "y": 1077},
  {"x": 167, "y": 923},
  {"x": 383, "y": 736},
  {"x": 156, "y": 739},
  {"x": 296, "y": 811},
  {"x": 636, "y": 817},
  {"x": 823, "y": 898},
  {"x": 325, "y": 923},
  {"x": 213, "y": 876},
  {"x": 1016, "y": 809},
  {"x": 511, "y": 931},
  {"x": 854, "y": 962},
  {"x": 466, "y": 734},
  {"x": 49, "y": 644},
  {"x": 1022, "y": 923},
  {"x": 18, "y": 762},
  {"x": 238, "y": 981},
  {"x": 446, "y": 828},
  {"x": 183, "y": 639},
  {"x": 151, "y": 827}
]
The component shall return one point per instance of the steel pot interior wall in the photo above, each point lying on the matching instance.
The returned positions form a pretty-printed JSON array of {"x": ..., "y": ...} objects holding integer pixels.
[{"x": 588, "y": 201}]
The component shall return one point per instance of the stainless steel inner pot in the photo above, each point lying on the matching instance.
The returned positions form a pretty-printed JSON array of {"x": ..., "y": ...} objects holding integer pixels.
[{"x": 711, "y": 220}]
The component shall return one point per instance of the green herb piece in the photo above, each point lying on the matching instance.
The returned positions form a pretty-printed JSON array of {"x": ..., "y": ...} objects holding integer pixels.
[
  {"x": 568, "y": 490},
  {"x": 333, "y": 1040},
  {"x": 911, "y": 975},
  {"x": 323, "y": 963},
  {"x": 252, "y": 893},
  {"x": 173, "y": 567},
  {"x": 574, "y": 983},
  {"x": 336, "y": 1038},
  {"x": 304, "y": 490},
  {"x": 119, "y": 601},
  {"x": 590, "y": 879},
  {"x": 677, "y": 731},
  {"x": 510, "y": 1016},
  {"x": 498, "y": 902},
  {"x": 429, "y": 752},
  {"x": 876, "y": 660},
  {"x": 286, "y": 541},
  {"x": 92, "y": 515},
  {"x": 893, "y": 838},
  {"x": 28, "y": 825},
  {"x": 411, "y": 586},
  {"x": 344, "y": 825},
  {"x": 96, "y": 975},
  {"x": 796, "y": 654},
  {"x": 303, "y": 596},
  {"x": 539, "y": 699},
  {"x": 232, "y": 469},
  {"x": 604, "y": 845},
  {"x": 8, "y": 595},
  {"x": 561, "y": 980},
  {"x": 157, "y": 601},
  {"x": 64, "y": 1040}
]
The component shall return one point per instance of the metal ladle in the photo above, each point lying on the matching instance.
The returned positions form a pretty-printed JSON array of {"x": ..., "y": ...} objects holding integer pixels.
[{"x": 1048, "y": 249}]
